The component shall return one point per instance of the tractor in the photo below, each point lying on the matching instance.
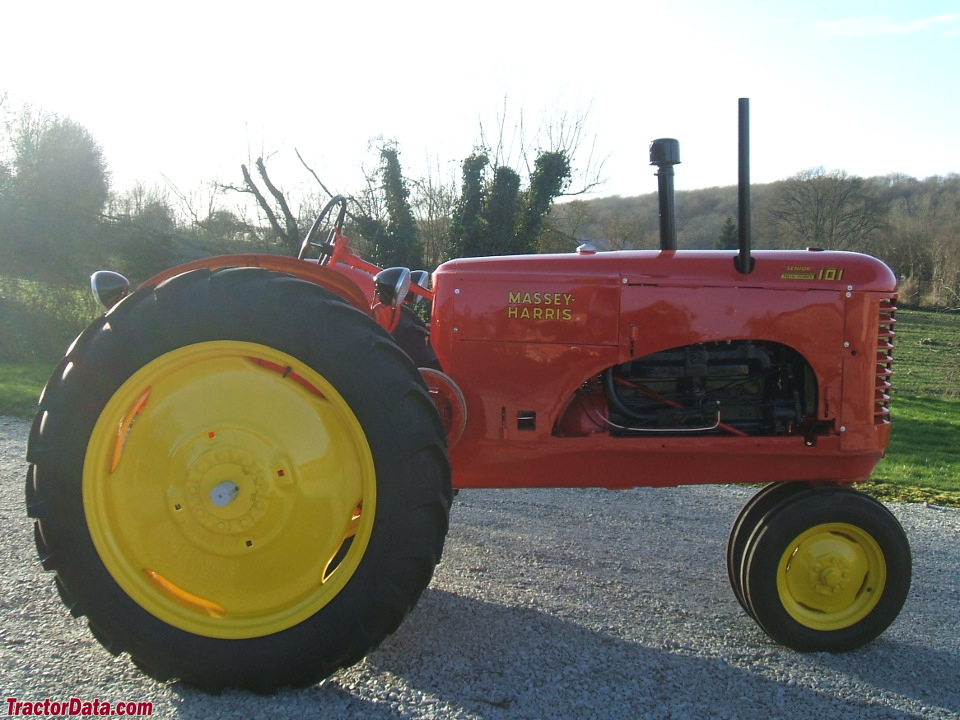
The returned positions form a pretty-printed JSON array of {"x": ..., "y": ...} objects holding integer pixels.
[{"x": 242, "y": 472}]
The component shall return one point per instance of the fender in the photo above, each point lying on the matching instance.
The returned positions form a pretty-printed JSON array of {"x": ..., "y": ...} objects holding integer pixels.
[{"x": 333, "y": 280}]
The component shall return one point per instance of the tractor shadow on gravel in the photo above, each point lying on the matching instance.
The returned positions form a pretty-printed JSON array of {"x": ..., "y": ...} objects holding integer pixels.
[{"x": 493, "y": 661}]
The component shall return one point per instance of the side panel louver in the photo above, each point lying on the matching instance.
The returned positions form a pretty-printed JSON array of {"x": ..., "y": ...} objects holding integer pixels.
[{"x": 887, "y": 321}]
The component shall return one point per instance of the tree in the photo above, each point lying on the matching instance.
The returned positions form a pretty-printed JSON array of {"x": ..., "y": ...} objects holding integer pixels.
[
  {"x": 494, "y": 216},
  {"x": 288, "y": 231},
  {"x": 434, "y": 199},
  {"x": 223, "y": 227},
  {"x": 560, "y": 134},
  {"x": 59, "y": 170},
  {"x": 551, "y": 175},
  {"x": 467, "y": 227},
  {"x": 401, "y": 245},
  {"x": 491, "y": 192},
  {"x": 729, "y": 238},
  {"x": 383, "y": 215},
  {"x": 826, "y": 209},
  {"x": 500, "y": 213},
  {"x": 54, "y": 189},
  {"x": 567, "y": 223}
]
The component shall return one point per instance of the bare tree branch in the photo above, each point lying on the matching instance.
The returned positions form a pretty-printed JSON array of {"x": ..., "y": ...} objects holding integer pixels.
[
  {"x": 261, "y": 201},
  {"x": 292, "y": 233},
  {"x": 315, "y": 176}
]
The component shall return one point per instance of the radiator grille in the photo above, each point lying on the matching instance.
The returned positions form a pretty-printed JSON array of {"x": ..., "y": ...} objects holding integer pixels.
[{"x": 887, "y": 321}]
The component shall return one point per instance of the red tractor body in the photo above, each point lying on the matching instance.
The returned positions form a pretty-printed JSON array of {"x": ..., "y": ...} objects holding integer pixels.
[{"x": 779, "y": 375}]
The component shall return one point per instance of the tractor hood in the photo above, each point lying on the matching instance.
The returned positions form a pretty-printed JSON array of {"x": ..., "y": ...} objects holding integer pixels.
[
  {"x": 775, "y": 269},
  {"x": 591, "y": 299}
]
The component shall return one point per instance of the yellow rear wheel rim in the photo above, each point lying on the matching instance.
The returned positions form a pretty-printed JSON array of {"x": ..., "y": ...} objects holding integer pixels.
[
  {"x": 229, "y": 489},
  {"x": 831, "y": 576}
]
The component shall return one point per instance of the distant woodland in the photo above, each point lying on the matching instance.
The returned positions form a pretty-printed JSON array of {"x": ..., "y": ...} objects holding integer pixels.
[{"x": 60, "y": 219}]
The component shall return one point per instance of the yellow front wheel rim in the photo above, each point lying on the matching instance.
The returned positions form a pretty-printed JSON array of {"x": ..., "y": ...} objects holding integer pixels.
[
  {"x": 229, "y": 489},
  {"x": 831, "y": 576}
]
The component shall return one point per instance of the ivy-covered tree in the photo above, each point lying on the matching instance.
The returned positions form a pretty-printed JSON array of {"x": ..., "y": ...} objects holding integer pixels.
[
  {"x": 551, "y": 174},
  {"x": 399, "y": 245},
  {"x": 494, "y": 216},
  {"x": 500, "y": 212},
  {"x": 467, "y": 228}
]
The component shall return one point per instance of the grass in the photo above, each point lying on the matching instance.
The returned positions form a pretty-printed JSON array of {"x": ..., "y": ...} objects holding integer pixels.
[
  {"x": 927, "y": 355},
  {"x": 922, "y": 463},
  {"x": 923, "y": 444}
]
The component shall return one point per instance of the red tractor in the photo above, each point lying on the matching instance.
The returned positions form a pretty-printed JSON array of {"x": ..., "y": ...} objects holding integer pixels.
[{"x": 242, "y": 472}]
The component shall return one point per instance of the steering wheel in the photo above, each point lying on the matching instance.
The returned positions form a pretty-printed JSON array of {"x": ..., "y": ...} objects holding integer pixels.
[{"x": 327, "y": 246}]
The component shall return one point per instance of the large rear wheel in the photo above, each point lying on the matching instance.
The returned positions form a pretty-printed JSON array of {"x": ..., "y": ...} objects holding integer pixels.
[{"x": 239, "y": 480}]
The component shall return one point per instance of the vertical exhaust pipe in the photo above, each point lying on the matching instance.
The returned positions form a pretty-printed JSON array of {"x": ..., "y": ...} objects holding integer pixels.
[
  {"x": 665, "y": 153},
  {"x": 743, "y": 261}
]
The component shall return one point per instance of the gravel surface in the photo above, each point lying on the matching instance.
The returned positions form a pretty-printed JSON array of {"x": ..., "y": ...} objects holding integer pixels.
[{"x": 548, "y": 604}]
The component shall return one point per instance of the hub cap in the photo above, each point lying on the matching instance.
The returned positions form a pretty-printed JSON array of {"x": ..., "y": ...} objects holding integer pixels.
[{"x": 832, "y": 576}]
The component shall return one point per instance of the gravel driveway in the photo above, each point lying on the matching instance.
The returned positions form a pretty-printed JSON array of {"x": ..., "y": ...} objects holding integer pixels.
[{"x": 548, "y": 604}]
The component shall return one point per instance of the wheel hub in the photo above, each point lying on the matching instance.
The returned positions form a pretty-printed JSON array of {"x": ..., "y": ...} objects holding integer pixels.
[
  {"x": 829, "y": 575},
  {"x": 229, "y": 498},
  {"x": 225, "y": 490}
]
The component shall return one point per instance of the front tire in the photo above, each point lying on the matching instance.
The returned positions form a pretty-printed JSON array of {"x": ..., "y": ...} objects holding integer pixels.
[
  {"x": 762, "y": 502},
  {"x": 240, "y": 480},
  {"x": 827, "y": 570}
]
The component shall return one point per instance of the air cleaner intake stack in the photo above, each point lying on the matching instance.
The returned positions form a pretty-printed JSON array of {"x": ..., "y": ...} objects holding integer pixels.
[{"x": 665, "y": 153}]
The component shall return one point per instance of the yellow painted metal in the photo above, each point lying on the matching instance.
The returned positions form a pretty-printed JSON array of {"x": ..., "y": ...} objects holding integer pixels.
[
  {"x": 831, "y": 576},
  {"x": 220, "y": 482}
]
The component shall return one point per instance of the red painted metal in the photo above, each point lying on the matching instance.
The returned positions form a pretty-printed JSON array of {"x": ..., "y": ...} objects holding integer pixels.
[
  {"x": 521, "y": 335},
  {"x": 355, "y": 286}
]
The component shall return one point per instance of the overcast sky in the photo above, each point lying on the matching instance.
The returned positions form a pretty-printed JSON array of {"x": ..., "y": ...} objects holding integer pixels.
[{"x": 186, "y": 91}]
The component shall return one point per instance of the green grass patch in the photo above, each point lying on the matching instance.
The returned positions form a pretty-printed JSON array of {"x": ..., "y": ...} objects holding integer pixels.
[
  {"x": 926, "y": 355},
  {"x": 923, "y": 443},
  {"x": 20, "y": 387},
  {"x": 922, "y": 462}
]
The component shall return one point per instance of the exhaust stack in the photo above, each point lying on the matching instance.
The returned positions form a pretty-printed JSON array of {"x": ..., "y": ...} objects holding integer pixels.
[
  {"x": 744, "y": 262},
  {"x": 665, "y": 153}
]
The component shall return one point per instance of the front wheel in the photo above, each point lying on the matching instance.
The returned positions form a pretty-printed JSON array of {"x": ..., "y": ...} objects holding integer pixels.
[
  {"x": 755, "y": 509},
  {"x": 239, "y": 480},
  {"x": 827, "y": 570}
]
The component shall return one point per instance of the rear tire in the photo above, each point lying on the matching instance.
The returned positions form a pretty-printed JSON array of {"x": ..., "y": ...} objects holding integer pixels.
[
  {"x": 239, "y": 479},
  {"x": 827, "y": 570}
]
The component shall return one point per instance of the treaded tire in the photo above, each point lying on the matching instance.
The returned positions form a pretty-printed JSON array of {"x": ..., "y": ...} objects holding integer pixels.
[
  {"x": 827, "y": 570},
  {"x": 278, "y": 314},
  {"x": 750, "y": 515}
]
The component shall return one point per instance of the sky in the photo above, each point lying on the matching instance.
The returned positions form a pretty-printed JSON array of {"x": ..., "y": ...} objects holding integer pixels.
[{"x": 179, "y": 94}]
